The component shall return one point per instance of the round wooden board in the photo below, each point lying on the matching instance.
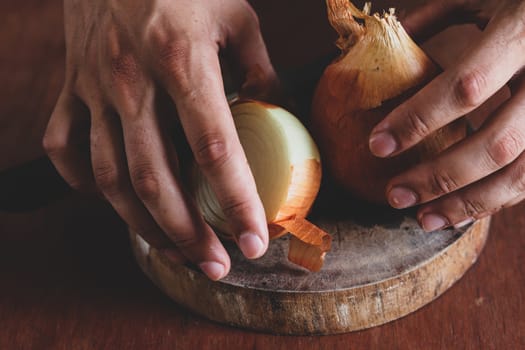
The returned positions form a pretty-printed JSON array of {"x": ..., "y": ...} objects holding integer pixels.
[{"x": 381, "y": 267}]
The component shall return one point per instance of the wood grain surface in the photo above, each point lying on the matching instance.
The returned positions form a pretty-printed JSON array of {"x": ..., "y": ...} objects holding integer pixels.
[
  {"x": 372, "y": 275},
  {"x": 68, "y": 278}
]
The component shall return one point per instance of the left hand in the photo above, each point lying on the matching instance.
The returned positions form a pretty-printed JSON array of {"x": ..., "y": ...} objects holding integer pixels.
[
  {"x": 136, "y": 71},
  {"x": 486, "y": 171}
]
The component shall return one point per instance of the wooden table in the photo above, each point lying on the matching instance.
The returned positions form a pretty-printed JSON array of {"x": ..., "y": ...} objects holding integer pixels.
[{"x": 69, "y": 279}]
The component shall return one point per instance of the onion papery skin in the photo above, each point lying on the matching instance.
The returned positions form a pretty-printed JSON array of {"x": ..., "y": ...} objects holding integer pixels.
[{"x": 379, "y": 68}]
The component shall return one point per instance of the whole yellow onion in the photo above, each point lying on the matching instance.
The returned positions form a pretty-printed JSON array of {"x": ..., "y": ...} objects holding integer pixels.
[{"x": 379, "y": 67}]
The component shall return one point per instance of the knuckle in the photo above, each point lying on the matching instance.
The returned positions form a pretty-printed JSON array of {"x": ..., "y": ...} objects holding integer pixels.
[
  {"x": 417, "y": 126},
  {"x": 107, "y": 177},
  {"x": 122, "y": 64},
  {"x": 146, "y": 182},
  {"x": 518, "y": 179},
  {"x": 505, "y": 147},
  {"x": 473, "y": 208},
  {"x": 211, "y": 150},
  {"x": 174, "y": 59},
  {"x": 124, "y": 68},
  {"x": 469, "y": 89},
  {"x": 177, "y": 66},
  {"x": 54, "y": 144},
  {"x": 442, "y": 183},
  {"x": 235, "y": 208}
]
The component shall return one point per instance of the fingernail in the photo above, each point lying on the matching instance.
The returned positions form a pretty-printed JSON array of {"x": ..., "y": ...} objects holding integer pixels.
[
  {"x": 464, "y": 223},
  {"x": 212, "y": 269},
  {"x": 251, "y": 245},
  {"x": 432, "y": 222},
  {"x": 382, "y": 144},
  {"x": 401, "y": 197}
]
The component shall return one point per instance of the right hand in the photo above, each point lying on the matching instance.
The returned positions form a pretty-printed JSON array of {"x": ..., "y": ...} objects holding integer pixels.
[
  {"x": 122, "y": 58},
  {"x": 484, "y": 172}
]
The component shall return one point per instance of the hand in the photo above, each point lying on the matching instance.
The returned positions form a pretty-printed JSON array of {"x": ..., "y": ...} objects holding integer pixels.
[
  {"x": 123, "y": 57},
  {"x": 486, "y": 171}
]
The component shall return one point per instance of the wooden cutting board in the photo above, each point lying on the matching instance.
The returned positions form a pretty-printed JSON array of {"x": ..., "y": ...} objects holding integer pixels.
[{"x": 381, "y": 267}]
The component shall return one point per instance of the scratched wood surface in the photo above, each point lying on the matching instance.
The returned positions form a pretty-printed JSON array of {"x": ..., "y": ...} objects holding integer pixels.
[
  {"x": 381, "y": 267},
  {"x": 69, "y": 279}
]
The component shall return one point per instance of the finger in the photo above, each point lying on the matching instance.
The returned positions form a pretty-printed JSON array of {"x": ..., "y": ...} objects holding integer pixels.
[
  {"x": 153, "y": 179},
  {"x": 196, "y": 86},
  {"x": 112, "y": 178},
  {"x": 479, "y": 74},
  {"x": 152, "y": 167},
  {"x": 498, "y": 143},
  {"x": 483, "y": 198},
  {"x": 66, "y": 141},
  {"x": 432, "y": 17},
  {"x": 515, "y": 201},
  {"x": 249, "y": 51}
]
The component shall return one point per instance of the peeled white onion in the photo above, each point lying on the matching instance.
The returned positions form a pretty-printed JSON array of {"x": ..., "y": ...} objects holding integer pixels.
[{"x": 284, "y": 161}]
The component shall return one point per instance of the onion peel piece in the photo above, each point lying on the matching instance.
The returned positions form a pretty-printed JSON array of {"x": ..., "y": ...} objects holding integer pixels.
[
  {"x": 308, "y": 244},
  {"x": 301, "y": 195}
]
